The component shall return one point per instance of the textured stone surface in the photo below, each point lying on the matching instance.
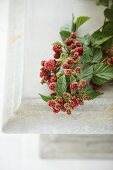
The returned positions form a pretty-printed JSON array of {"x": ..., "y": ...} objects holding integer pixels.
[
  {"x": 76, "y": 146},
  {"x": 34, "y": 116},
  {"x": 28, "y": 43}
]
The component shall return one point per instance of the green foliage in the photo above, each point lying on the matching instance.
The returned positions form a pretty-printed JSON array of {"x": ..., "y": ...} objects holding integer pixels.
[
  {"x": 101, "y": 41},
  {"x": 67, "y": 29},
  {"x": 86, "y": 57},
  {"x": 87, "y": 73},
  {"x": 46, "y": 98},
  {"x": 102, "y": 73},
  {"x": 85, "y": 40},
  {"x": 109, "y": 13},
  {"x": 102, "y": 2},
  {"x": 63, "y": 58},
  {"x": 61, "y": 86},
  {"x": 57, "y": 43},
  {"x": 97, "y": 55},
  {"x": 91, "y": 92},
  {"x": 80, "y": 21}
]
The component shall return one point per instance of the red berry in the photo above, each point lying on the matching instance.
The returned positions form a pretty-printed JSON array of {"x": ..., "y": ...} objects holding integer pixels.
[
  {"x": 85, "y": 97},
  {"x": 63, "y": 109},
  {"x": 67, "y": 106},
  {"x": 79, "y": 50},
  {"x": 57, "y": 55},
  {"x": 42, "y": 62},
  {"x": 68, "y": 42},
  {"x": 73, "y": 86},
  {"x": 51, "y": 103},
  {"x": 49, "y": 65},
  {"x": 52, "y": 79},
  {"x": 82, "y": 83},
  {"x": 78, "y": 44},
  {"x": 57, "y": 49},
  {"x": 66, "y": 65},
  {"x": 110, "y": 60},
  {"x": 73, "y": 35},
  {"x": 60, "y": 100},
  {"x": 53, "y": 94},
  {"x": 52, "y": 86},
  {"x": 55, "y": 110},
  {"x": 78, "y": 70},
  {"x": 72, "y": 46},
  {"x": 42, "y": 74},
  {"x": 70, "y": 61},
  {"x": 75, "y": 55},
  {"x": 80, "y": 88},
  {"x": 68, "y": 72}
]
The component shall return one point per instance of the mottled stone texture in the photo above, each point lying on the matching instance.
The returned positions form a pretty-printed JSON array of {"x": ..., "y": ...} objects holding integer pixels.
[{"x": 76, "y": 146}]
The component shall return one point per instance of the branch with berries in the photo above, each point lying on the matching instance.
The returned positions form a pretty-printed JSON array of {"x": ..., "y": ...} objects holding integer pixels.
[{"x": 80, "y": 65}]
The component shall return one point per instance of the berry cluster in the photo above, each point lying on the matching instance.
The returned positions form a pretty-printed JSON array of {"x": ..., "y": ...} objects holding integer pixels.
[{"x": 53, "y": 69}]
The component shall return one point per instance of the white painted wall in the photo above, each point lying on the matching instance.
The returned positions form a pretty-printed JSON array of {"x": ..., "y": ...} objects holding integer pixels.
[{"x": 43, "y": 22}]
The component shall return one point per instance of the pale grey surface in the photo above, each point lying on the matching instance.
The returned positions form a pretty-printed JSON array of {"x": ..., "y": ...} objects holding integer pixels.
[
  {"x": 76, "y": 146},
  {"x": 36, "y": 117},
  {"x": 28, "y": 42}
]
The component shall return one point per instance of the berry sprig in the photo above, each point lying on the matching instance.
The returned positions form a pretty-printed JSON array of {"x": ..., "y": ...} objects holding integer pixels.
[{"x": 78, "y": 69}]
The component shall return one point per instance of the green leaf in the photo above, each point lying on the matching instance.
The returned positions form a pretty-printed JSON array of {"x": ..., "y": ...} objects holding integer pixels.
[
  {"x": 109, "y": 13},
  {"x": 72, "y": 79},
  {"x": 97, "y": 55},
  {"x": 57, "y": 43},
  {"x": 81, "y": 20},
  {"x": 102, "y": 73},
  {"x": 100, "y": 42},
  {"x": 86, "y": 74},
  {"x": 61, "y": 86},
  {"x": 63, "y": 58},
  {"x": 85, "y": 40},
  {"x": 108, "y": 29},
  {"x": 108, "y": 45},
  {"x": 91, "y": 92},
  {"x": 102, "y": 2},
  {"x": 46, "y": 98},
  {"x": 96, "y": 36},
  {"x": 86, "y": 57},
  {"x": 65, "y": 32}
]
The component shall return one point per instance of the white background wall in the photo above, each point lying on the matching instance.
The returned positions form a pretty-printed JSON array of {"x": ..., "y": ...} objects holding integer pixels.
[
  {"x": 43, "y": 22},
  {"x": 21, "y": 152}
]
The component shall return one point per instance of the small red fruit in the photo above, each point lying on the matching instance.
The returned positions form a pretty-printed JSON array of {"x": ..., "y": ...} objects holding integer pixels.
[
  {"x": 57, "y": 49},
  {"x": 42, "y": 62},
  {"x": 78, "y": 70},
  {"x": 66, "y": 65},
  {"x": 85, "y": 97},
  {"x": 110, "y": 60},
  {"x": 42, "y": 73},
  {"x": 73, "y": 46},
  {"x": 73, "y": 86},
  {"x": 52, "y": 86},
  {"x": 79, "y": 50},
  {"x": 73, "y": 35},
  {"x": 75, "y": 55},
  {"x": 57, "y": 55},
  {"x": 83, "y": 83},
  {"x": 68, "y": 42},
  {"x": 78, "y": 44},
  {"x": 51, "y": 103},
  {"x": 68, "y": 72}
]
